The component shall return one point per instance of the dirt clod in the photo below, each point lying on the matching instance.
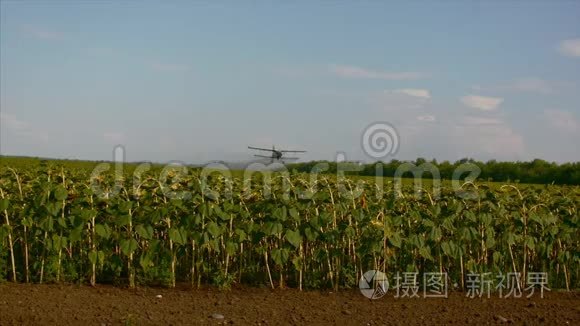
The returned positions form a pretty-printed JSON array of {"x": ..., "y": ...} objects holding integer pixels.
[
  {"x": 217, "y": 316},
  {"x": 501, "y": 319}
]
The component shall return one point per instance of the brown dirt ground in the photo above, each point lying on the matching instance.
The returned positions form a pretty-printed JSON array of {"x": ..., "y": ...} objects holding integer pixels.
[{"x": 22, "y": 304}]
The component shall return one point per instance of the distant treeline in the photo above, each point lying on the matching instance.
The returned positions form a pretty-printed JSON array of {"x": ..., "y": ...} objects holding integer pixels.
[{"x": 537, "y": 171}]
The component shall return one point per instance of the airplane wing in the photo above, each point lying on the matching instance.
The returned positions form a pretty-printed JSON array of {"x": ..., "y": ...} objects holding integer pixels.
[
  {"x": 285, "y": 151},
  {"x": 261, "y": 149},
  {"x": 264, "y": 156}
]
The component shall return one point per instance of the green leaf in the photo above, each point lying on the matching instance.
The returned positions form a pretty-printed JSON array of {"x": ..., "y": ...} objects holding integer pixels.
[
  {"x": 489, "y": 243},
  {"x": 145, "y": 232},
  {"x": 87, "y": 214},
  {"x": 273, "y": 228},
  {"x": 93, "y": 257},
  {"x": 310, "y": 234},
  {"x": 294, "y": 213},
  {"x": 325, "y": 218},
  {"x": 101, "y": 257},
  {"x": 47, "y": 224},
  {"x": 294, "y": 238},
  {"x": 427, "y": 222},
  {"x": 123, "y": 220},
  {"x": 146, "y": 262},
  {"x": 435, "y": 234},
  {"x": 4, "y": 204},
  {"x": 58, "y": 242},
  {"x": 4, "y": 230},
  {"x": 60, "y": 193},
  {"x": 103, "y": 231},
  {"x": 61, "y": 221},
  {"x": 223, "y": 216},
  {"x": 396, "y": 240},
  {"x": 125, "y": 206},
  {"x": 53, "y": 208},
  {"x": 530, "y": 243},
  {"x": 449, "y": 248},
  {"x": 178, "y": 203},
  {"x": 27, "y": 222},
  {"x": 231, "y": 248},
  {"x": 242, "y": 236},
  {"x": 297, "y": 262},
  {"x": 213, "y": 229},
  {"x": 425, "y": 252},
  {"x": 76, "y": 234},
  {"x": 280, "y": 214},
  {"x": 280, "y": 256},
  {"x": 497, "y": 257},
  {"x": 349, "y": 232},
  {"x": 178, "y": 235},
  {"x": 510, "y": 238},
  {"x": 315, "y": 222},
  {"x": 128, "y": 246}
]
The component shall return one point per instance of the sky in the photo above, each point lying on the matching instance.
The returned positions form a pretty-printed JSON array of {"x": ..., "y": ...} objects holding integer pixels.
[{"x": 195, "y": 81}]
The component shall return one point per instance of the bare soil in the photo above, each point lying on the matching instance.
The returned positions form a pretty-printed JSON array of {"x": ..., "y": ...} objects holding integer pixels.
[{"x": 22, "y": 304}]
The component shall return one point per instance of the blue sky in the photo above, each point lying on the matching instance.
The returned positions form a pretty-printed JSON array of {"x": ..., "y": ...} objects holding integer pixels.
[{"x": 194, "y": 81}]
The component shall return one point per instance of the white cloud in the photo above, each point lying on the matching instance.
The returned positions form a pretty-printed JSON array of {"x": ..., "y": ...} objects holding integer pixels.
[
  {"x": 400, "y": 103},
  {"x": 16, "y": 128},
  {"x": 527, "y": 85},
  {"x": 484, "y": 103},
  {"x": 562, "y": 120},
  {"x": 570, "y": 47},
  {"x": 114, "y": 137},
  {"x": 534, "y": 85},
  {"x": 426, "y": 118},
  {"x": 11, "y": 122},
  {"x": 422, "y": 93},
  {"x": 292, "y": 71},
  {"x": 363, "y": 73},
  {"x": 499, "y": 141},
  {"x": 480, "y": 121},
  {"x": 168, "y": 142},
  {"x": 42, "y": 33},
  {"x": 100, "y": 51},
  {"x": 169, "y": 67},
  {"x": 482, "y": 138},
  {"x": 455, "y": 136}
]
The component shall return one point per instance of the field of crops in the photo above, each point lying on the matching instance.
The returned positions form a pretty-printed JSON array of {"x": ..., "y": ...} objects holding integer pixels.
[{"x": 65, "y": 224}]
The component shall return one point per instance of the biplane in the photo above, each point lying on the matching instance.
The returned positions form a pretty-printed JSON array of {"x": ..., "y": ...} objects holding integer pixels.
[{"x": 277, "y": 154}]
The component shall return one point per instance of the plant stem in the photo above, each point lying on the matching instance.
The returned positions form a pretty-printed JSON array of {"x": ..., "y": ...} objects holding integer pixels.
[
  {"x": 268, "y": 269},
  {"x": 10, "y": 242}
]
